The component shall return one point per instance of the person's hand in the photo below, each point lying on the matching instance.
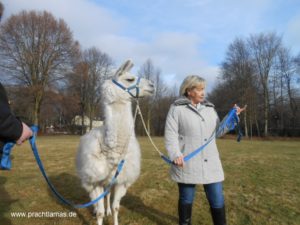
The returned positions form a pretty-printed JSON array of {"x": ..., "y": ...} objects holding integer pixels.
[
  {"x": 179, "y": 161},
  {"x": 26, "y": 133},
  {"x": 238, "y": 109}
]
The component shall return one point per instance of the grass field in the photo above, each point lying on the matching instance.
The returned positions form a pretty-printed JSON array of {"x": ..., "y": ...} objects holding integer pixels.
[{"x": 262, "y": 186}]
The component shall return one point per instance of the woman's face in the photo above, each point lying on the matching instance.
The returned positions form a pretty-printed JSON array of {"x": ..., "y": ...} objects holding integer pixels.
[{"x": 197, "y": 94}]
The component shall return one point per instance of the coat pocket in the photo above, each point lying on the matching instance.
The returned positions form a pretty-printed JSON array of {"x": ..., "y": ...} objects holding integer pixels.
[
  {"x": 181, "y": 142},
  {"x": 215, "y": 166}
]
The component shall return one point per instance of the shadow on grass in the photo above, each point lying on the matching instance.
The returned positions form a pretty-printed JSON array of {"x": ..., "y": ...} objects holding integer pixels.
[
  {"x": 5, "y": 202},
  {"x": 134, "y": 203},
  {"x": 69, "y": 187}
]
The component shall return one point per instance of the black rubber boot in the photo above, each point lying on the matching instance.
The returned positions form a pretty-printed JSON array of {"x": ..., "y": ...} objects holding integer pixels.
[
  {"x": 185, "y": 214},
  {"x": 218, "y": 215}
]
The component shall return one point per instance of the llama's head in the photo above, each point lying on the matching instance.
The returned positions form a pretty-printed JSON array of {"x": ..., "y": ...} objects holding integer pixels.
[{"x": 124, "y": 86}]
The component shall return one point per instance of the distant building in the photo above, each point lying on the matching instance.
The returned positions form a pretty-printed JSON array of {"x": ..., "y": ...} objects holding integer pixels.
[
  {"x": 78, "y": 122},
  {"x": 50, "y": 129}
]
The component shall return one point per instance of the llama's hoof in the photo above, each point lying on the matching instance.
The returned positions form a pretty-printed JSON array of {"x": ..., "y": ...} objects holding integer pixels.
[
  {"x": 100, "y": 217},
  {"x": 99, "y": 221},
  {"x": 108, "y": 212}
]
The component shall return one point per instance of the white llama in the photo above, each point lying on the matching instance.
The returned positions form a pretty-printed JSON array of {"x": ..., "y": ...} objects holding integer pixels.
[{"x": 102, "y": 148}]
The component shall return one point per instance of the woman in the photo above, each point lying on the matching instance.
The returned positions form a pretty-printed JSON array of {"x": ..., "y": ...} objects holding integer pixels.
[{"x": 190, "y": 123}]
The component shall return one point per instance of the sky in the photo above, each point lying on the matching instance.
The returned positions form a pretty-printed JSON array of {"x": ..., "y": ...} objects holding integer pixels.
[{"x": 181, "y": 37}]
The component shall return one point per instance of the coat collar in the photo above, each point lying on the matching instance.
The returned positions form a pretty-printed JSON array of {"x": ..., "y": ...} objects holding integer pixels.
[{"x": 185, "y": 101}]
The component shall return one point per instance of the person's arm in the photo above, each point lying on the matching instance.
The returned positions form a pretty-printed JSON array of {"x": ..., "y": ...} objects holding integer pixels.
[
  {"x": 171, "y": 135},
  {"x": 10, "y": 127}
]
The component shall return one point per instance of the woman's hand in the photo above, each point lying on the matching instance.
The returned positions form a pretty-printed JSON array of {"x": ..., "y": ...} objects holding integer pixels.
[
  {"x": 238, "y": 109},
  {"x": 179, "y": 161}
]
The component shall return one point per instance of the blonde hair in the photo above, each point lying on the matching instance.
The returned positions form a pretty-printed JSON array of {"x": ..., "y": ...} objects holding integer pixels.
[{"x": 189, "y": 83}]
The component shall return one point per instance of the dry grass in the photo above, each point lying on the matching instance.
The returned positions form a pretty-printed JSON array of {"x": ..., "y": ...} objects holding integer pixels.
[{"x": 261, "y": 187}]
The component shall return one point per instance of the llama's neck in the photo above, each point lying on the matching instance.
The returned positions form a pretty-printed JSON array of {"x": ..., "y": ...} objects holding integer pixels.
[
  {"x": 122, "y": 114},
  {"x": 119, "y": 123}
]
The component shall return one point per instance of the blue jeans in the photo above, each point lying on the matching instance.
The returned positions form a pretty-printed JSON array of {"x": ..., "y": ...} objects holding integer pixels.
[{"x": 214, "y": 194}]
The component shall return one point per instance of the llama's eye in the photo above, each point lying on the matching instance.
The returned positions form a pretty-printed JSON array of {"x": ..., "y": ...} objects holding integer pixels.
[{"x": 130, "y": 79}]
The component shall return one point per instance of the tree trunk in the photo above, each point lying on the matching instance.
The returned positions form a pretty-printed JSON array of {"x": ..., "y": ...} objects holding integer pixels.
[
  {"x": 36, "y": 113},
  {"x": 257, "y": 125},
  {"x": 266, "y": 111},
  {"x": 281, "y": 106},
  {"x": 246, "y": 125},
  {"x": 82, "y": 123},
  {"x": 293, "y": 105},
  {"x": 251, "y": 128},
  {"x": 91, "y": 118},
  {"x": 37, "y": 108}
]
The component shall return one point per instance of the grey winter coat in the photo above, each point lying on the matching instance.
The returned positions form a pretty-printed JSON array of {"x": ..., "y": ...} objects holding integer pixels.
[{"x": 187, "y": 128}]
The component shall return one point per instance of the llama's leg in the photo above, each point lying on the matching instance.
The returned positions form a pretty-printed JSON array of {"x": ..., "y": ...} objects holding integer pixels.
[
  {"x": 99, "y": 206},
  {"x": 95, "y": 192},
  {"x": 90, "y": 188},
  {"x": 108, "y": 208},
  {"x": 120, "y": 191}
]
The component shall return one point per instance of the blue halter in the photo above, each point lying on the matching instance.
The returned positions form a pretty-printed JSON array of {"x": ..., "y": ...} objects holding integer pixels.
[{"x": 128, "y": 89}]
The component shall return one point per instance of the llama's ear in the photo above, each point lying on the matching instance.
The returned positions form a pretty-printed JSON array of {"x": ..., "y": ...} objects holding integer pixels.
[{"x": 126, "y": 67}]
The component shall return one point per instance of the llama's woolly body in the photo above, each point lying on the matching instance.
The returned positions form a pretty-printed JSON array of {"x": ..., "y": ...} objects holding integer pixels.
[{"x": 98, "y": 157}]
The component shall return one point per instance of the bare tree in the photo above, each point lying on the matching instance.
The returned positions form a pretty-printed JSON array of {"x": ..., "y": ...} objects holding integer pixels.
[
  {"x": 99, "y": 67},
  {"x": 297, "y": 62},
  {"x": 1, "y": 10},
  {"x": 86, "y": 80},
  {"x": 288, "y": 70},
  {"x": 77, "y": 85},
  {"x": 237, "y": 83},
  {"x": 261, "y": 72},
  {"x": 149, "y": 71},
  {"x": 264, "y": 48},
  {"x": 36, "y": 51}
]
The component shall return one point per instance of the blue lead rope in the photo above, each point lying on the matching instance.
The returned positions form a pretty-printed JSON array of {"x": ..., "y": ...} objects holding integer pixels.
[
  {"x": 6, "y": 164},
  {"x": 230, "y": 122},
  {"x": 5, "y": 160}
]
